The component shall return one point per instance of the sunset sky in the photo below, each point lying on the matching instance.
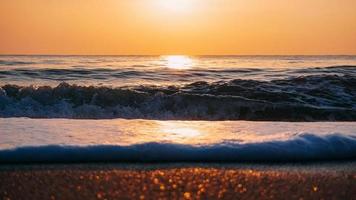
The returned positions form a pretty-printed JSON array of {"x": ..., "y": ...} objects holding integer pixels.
[{"x": 194, "y": 27}]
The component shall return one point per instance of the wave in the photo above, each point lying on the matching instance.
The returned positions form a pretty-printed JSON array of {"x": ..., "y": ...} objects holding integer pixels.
[
  {"x": 92, "y": 72},
  {"x": 74, "y": 73},
  {"x": 337, "y": 69},
  {"x": 306, "y": 98},
  {"x": 14, "y": 63},
  {"x": 304, "y": 147}
]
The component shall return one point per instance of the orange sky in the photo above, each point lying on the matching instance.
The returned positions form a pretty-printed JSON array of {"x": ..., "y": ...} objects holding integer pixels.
[{"x": 194, "y": 27}]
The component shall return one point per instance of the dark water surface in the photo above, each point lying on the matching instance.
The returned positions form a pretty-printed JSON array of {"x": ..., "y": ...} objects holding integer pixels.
[{"x": 278, "y": 88}]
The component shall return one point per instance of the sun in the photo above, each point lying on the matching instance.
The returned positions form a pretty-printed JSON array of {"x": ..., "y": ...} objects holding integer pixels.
[{"x": 176, "y": 6}]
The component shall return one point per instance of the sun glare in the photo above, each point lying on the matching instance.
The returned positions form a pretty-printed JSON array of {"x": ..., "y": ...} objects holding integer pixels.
[
  {"x": 177, "y": 131},
  {"x": 178, "y": 62},
  {"x": 175, "y": 6}
]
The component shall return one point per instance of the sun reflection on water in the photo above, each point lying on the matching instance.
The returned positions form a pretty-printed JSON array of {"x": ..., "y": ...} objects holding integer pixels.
[
  {"x": 178, "y": 62},
  {"x": 33, "y": 132},
  {"x": 173, "y": 131}
]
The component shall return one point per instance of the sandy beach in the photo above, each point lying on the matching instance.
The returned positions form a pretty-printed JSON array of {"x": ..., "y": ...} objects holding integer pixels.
[{"x": 179, "y": 181}]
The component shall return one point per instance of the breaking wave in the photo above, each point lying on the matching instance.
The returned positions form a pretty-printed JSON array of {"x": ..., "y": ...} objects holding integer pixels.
[
  {"x": 305, "y": 147},
  {"x": 306, "y": 98}
]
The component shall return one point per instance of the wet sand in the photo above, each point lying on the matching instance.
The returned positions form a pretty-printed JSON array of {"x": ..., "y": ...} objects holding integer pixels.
[{"x": 179, "y": 181}]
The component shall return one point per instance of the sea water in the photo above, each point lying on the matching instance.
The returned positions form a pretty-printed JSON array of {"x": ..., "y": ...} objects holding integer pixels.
[{"x": 177, "y": 108}]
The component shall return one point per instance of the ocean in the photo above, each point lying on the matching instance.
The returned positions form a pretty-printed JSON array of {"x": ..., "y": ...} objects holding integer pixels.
[{"x": 177, "y": 108}]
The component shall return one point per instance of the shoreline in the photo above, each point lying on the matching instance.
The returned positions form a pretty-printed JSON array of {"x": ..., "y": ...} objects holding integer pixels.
[{"x": 331, "y": 180}]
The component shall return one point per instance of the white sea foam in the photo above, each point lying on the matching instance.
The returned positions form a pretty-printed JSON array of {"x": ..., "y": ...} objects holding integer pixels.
[
  {"x": 62, "y": 140},
  {"x": 305, "y": 147},
  {"x": 309, "y": 98}
]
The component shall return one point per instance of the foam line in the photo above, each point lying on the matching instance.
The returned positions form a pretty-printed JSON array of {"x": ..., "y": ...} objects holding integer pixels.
[{"x": 305, "y": 147}]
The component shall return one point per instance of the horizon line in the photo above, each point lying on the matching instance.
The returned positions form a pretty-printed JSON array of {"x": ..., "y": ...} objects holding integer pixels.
[{"x": 222, "y": 55}]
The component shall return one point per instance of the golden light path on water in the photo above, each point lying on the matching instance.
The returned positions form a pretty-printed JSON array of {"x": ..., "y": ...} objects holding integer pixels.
[
  {"x": 34, "y": 132},
  {"x": 178, "y": 62}
]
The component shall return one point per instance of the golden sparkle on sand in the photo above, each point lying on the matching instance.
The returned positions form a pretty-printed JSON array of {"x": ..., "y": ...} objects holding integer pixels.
[{"x": 176, "y": 181}]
